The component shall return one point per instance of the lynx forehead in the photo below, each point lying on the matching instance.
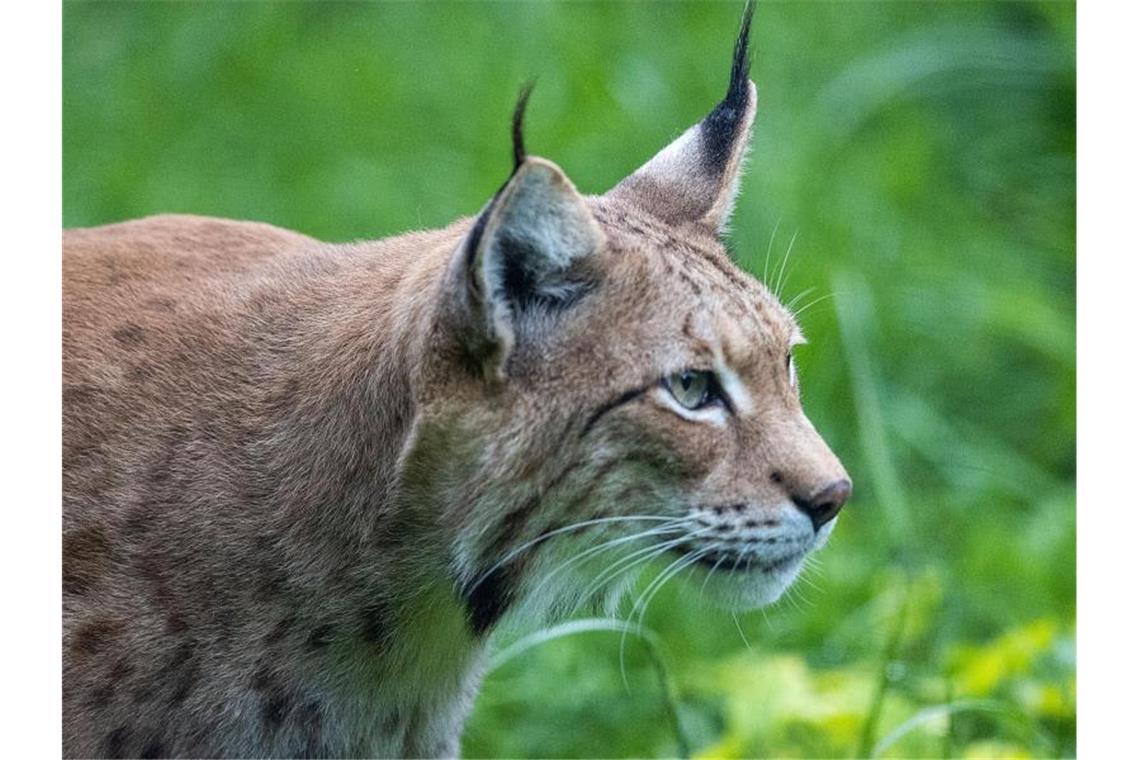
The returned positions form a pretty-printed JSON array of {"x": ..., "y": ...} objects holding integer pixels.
[{"x": 304, "y": 481}]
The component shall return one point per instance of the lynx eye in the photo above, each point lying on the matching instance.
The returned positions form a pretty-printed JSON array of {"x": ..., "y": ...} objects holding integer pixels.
[{"x": 693, "y": 389}]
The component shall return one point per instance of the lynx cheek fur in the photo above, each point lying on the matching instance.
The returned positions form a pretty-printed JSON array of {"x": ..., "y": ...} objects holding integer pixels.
[{"x": 303, "y": 481}]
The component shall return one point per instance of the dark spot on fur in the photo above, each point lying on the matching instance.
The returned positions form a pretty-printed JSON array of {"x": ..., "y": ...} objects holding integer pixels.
[
  {"x": 121, "y": 670},
  {"x": 153, "y": 749},
  {"x": 140, "y": 373},
  {"x": 375, "y": 623},
  {"x": 78, "y": 395},
  {"x": 151, "y": 564},
  {"x": 130, "y": 335},
  {"x": 181, "y": 670},
  {"x": 272, "y": 580},
  {"x": 392, "y": 722},
  {"x": 115, "y": 745},
  {"x": 93, "y": 637},
  {"x": 102, "y": 696},
  {"x": 695, "y": 286},
  {"x": 137, "y": 524},
  {"x": 273, "y": 710},
  {"x": 687, "y": 327},
  {"x": 488, "y": 599},
  {"x": 309, "y": 721},
  {"x": 85, "y": 554},
  {"x": 115, "y": 275},
  {"x": 185, "y": 684},
  {"x": 319, "y": 638},
  {"x": 262, "y": 679},
  {"x": 144, "y": 694},
  {"x": 176, "y": 623},
  {"x": 281, "y": 630},
  {"x": 169, "y": 449}
]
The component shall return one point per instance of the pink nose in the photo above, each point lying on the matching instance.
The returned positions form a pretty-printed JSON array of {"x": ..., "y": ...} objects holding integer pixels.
[{"x": 824, "y": 504}]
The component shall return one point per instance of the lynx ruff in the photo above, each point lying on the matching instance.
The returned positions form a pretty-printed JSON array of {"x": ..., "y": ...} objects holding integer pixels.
[{"x": 303, "y": 482}]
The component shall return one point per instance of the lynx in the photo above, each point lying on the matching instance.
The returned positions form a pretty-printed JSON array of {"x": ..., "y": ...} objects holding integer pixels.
[{"x": 303, "y": 482}]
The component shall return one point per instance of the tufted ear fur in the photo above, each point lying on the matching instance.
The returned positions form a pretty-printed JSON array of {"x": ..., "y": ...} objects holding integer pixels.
[
  {"x": 526, "y": 259},
  {"x": 695, "y": 178}
]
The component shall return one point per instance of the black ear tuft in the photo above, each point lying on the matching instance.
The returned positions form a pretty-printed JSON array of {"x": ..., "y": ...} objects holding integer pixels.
[
  {"x": 741, "y": 58},
  {"x": 719, "y": 129},
  {"x": 695, "y": 178},
  {"x": 519, "y": 146},
  {"x": 517, "y": 123}
]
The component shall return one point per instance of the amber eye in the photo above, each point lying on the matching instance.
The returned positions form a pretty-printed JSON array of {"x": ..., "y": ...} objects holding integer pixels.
[{"x": 692, "y": 388}]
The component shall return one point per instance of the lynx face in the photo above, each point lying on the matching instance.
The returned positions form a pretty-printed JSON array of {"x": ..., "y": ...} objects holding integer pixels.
[{"x": 608, "y": 389}]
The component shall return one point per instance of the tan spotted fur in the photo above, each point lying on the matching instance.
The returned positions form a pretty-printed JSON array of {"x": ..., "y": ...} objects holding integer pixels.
[{"x": 304, "y": 481}]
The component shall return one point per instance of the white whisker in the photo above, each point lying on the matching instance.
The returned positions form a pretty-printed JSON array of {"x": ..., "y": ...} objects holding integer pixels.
[
  {"x": 784, "y": 264},
  {"x": 645, "y": 554},
  {"x": 790, "y": 305},
  {"x": 661, "y": 584},
  {"x": 604, "y": 546},
  {"x": 768, "y": 254},
  {"x": 566, "y": 529},
  {"x": 740, "y": 630},
  {"x": 811, "y": 303},
  {"x": 709, "y": 574},
  {"x": 651, "y": 590}
]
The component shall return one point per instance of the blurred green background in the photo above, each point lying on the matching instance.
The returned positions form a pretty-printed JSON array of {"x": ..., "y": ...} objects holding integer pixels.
[{"x": 917, "y": 160}]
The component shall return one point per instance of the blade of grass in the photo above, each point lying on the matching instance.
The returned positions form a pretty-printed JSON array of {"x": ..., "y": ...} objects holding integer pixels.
[
  {"x": 948, "y": 738},
  {"x": 854, "y": 315},
  {"x": 927, "y": 714},
  {"x": 653, "y": 645},
  {"x": 958, "y": 447},
  {"x": 890, "y": 653}
]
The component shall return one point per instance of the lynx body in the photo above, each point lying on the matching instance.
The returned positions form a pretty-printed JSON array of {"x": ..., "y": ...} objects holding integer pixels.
[{"x": 303, "y": 481}]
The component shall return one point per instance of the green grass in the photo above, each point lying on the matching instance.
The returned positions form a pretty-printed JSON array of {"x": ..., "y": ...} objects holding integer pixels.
[{"x": 922, "y": 156}]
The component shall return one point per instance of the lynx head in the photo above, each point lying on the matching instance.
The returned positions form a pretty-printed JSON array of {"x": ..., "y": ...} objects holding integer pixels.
[{"x": 608, "y": 391}]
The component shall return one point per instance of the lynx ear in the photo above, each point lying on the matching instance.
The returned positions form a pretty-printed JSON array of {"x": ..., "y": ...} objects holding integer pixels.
[
  {"x": 526, "y": 258},
  {"x": 695, "y": 178}
]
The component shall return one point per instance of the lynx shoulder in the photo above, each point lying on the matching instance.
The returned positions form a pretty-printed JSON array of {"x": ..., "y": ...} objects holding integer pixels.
[{"x": 303, "y": 482}]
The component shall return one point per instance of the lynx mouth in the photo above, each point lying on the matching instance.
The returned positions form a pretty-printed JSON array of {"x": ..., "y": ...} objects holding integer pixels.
[
  {"x": 741, "y": 581},
  {"x": 742, "y": 564}
]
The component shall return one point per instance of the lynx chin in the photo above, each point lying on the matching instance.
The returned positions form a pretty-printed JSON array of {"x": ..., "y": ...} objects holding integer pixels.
[{"x": 303, "y": 482}]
